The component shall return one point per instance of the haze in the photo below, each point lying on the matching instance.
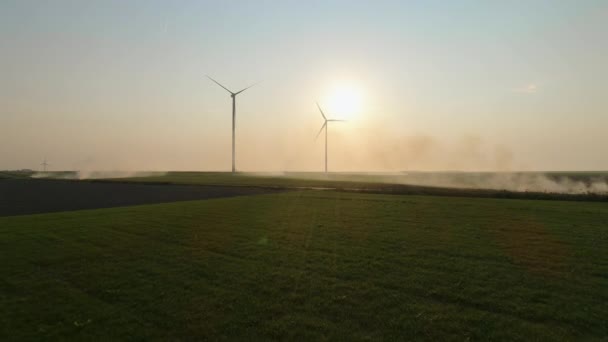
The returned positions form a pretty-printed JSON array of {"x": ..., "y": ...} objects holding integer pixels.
[{"x": 429, "y": 85}]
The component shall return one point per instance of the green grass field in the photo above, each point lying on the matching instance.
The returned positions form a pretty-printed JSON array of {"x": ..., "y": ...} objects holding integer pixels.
[{"x": 309, "y": 265}]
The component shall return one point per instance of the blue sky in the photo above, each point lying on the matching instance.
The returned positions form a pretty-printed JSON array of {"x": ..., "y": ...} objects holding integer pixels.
[{"x": 120, "y": 84}]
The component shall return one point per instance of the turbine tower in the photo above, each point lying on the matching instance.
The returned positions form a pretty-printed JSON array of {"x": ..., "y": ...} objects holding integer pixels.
[
  {"x": 233, "y": 95},
  {"x": 44, "y": 165},
  {"x": 325, "y": 127}
]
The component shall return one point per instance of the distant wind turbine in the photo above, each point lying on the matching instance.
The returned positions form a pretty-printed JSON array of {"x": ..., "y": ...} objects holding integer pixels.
[
  {"x": 44, "y": 165},
  {"x": 233, "y": 95},
  {"x": 321, "y": 130}
]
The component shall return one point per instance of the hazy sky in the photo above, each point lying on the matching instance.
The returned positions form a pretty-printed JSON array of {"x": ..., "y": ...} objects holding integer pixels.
[{"x": 458, "y": 85}]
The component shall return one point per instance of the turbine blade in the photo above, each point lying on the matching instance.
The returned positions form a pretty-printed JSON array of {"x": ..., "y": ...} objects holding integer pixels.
[
  {"x": 321, "y": 130},
  {"x": 218, "y": 83},
  {"x": 337, "y": 120},
  {"x": 240, "y": 91},
  {"x": 321, "y": 110}
]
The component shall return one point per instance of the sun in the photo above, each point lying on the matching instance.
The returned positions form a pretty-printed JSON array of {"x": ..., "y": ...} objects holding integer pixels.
[{"x": 344, "y": 102}]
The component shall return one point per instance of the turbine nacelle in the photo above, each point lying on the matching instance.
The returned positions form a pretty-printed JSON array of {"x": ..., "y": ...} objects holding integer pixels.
[
  {"x": 326, "y": 119},
  {"x": 232, "y": 94}
]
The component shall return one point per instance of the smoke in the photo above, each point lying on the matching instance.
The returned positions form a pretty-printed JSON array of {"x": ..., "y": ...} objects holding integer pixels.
[
  {"x": 371, "y": 149},
  {"x": 468, "y": 161},
  {"x": 117, "y": 174},
  {"x": 42, "y": 175},
  {"x": 89, "y": 174},
  {"x": 564, "y": 183},
  {"x": 520, "y": 182}
]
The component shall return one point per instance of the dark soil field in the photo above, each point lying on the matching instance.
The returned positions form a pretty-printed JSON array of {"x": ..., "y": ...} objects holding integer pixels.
[
  {"x": 31, "y": 196},
  {"x": 390, "y": 183}
]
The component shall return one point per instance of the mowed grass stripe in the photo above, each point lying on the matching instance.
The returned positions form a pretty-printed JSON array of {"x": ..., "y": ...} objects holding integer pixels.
[{"x": 309, "y": 265}]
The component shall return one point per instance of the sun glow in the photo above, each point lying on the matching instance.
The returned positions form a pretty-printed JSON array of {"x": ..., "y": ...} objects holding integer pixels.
[{"x": 344, "y": 102}]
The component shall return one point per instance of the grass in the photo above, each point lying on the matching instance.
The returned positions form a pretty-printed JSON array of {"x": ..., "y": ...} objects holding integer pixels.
[{"x": 309, "y": 265}]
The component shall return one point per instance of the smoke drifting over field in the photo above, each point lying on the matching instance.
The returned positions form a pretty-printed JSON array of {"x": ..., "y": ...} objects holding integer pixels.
[
  {"x": 82, "y": 175},
  {"x": 549, "y": 182},
  {"x": 473, "y": 161},
  {"x": 477, "y": 163},
  {"x": 424, "y": 152},
  {"x": 530, "y": 182},
  {"x": 537, "y": 182},
  {"x": 116, "y": 174}
]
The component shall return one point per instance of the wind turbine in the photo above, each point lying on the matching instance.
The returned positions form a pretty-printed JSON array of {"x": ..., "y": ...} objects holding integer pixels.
[
  {"x": 44, "y": 165},
  {"x": 233, "y": 95},
  {"x": 321, "y": 130}
]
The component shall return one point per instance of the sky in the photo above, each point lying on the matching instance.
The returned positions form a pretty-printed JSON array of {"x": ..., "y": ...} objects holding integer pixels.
[{"x": 430, "y": 85}]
